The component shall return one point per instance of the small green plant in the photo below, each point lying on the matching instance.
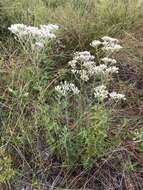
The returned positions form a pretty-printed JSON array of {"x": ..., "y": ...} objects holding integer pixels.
[{"x": 6, "y": 170}]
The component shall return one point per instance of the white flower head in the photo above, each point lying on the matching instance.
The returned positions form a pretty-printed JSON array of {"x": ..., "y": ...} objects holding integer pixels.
[
  {"x": 83, "y": 65},
  {"x": 107, "y": 60},
  {"x": 39, "y": 45},
  {"x": 84, "y": 75},
  {"x": 111, "y": 70},
  {"x": 72, "y": 63},
  {"x": 74, "y": 71},
  {"x": 74, "y": 89},
  {"x": 101, "y": 92},
  {"x": 17, "y": 28},
  {"x": 109, "y": 44},
  {"x": 100, "y": 69},
  {"x": 95, "y": 43},
  {"x": 50, "y": 27},
  {"x": 89, "y": 65},
  {"x": 83, "y": 56},
  {"x": 109, "y": 39},
  {"x": 65, "y": 88},
  {"x": 117, "y": 96},
  {"x": 31, "y": 32},
  {"x": 112, "y": 47}
]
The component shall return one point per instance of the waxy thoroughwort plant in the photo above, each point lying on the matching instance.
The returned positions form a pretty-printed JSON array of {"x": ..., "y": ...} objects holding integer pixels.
[
  {"x": 90, "y": 78},
  {"x": 38, "y": 36},
  {"x": 78, "y": 121}
]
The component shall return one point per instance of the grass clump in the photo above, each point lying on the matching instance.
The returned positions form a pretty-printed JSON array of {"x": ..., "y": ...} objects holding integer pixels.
[
  {"x": 81, "y": 20},
  {"x": 84, "y": 20}
]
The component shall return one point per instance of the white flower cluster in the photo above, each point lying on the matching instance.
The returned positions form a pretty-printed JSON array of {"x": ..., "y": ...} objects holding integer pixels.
[
  {"x": 101, "y": 92},
  {"x": 108, "y": 44},
  {"x": 84, "y": 65},
  {"x": 117, "y": 96},
  {"x": 45, "y": 31},
  {"x": 83, "y": 56},
  {"x": 108, "y": 60},
  {"x": 105, "y": 70},
  {"x": 39, "y": 35},
  {"x": 65, "y": 88}
]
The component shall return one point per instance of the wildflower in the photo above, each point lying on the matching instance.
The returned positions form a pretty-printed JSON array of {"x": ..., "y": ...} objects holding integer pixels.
[
  {"x": 49, "y": 27},
  {"x": 104, "y": 70},
  {"x": 112, "y": 47},
  {"x": 34, "y": 33},
  {"x": 17, "y": 28},
  {"x": 109, "y": 39},
  {"x": 84, "y": 75},
  {"x": 74, "y": 71},
  {"x": 89, "y": 64},
  {"x": 117, "y": 96},
  {"x": 22, "y": 30},
  {"x": 74, "y": 89},
  {"x": 101, "y": 92},
  {"x": 84, "y": 65},
  {"x": 47, "y": 31},
  {"x": 100, "y": 69},
  {"x": 39, "y": 45},
  {"x": 65, "y": 88},
  {"x": 83, "y": 56},
  {"x": 72, "y": 63},
  {"x": 107, "y": 60},
  {"x": 86, "y": 53},
  {"x": 95, "y": 43},
  {"x": 109, "y": 44},
  {"x": 111, "y": 70}
]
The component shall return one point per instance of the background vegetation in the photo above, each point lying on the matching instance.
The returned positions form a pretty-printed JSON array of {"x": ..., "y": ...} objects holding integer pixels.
[{"x": 38, "y": 148}]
